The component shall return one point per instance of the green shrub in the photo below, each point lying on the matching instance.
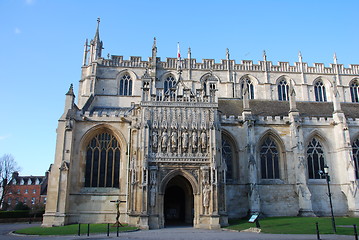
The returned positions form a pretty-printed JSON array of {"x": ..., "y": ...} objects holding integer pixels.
[{"x": 14, "y": 214}]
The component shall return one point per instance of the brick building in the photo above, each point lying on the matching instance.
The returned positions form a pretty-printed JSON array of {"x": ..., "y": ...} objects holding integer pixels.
[{"x": 30, "y": 190}]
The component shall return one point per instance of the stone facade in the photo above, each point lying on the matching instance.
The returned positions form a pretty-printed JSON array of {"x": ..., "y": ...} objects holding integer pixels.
[{"x": 178, "y": 140}]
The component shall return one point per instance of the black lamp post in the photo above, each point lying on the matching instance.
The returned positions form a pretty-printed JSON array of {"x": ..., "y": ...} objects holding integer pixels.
[{"x": 327, "y": 177}]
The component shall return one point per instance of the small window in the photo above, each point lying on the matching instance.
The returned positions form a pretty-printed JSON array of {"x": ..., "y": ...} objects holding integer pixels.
[
  {"x": 26, "y": 191},
  {"x": 354, "y": 88},
  {"x": 45, "y": 200},
  {"x": 25, "y": 200},
  {"x": 34, "y": 191},
  {"x": 125, "y": 85},
  {"x": 283, "y": 90},
  {"x": 169, "y": 83},
  {"x": 17, "y": 200},
  {"x": 9, "y": 201},
  {"x": 33, "y": 200},
  {"x": 18, "y": 191},
  {"x": 250, "y": 88},
  {"x": 319, "y": 90},
  {"x": 315, "y": 158}
]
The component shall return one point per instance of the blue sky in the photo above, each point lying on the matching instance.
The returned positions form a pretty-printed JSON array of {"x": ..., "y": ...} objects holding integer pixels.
[{"x": 42, "y": 41}]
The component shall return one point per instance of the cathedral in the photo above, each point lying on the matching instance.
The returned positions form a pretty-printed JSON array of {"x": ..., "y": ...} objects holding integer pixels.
[{"x": 186, "y": 142}]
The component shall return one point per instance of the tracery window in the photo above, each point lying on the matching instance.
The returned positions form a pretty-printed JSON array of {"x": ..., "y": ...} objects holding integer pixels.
[
  {"x": 354, "y": 88},
  {"x": 356, "y": 157},
  {"x": 269, "y": 159},
  {"x": 102, "y": 161},
  {"x": 228, "y": 157},
  {"x": 170, "y": 82},
  {"x": 315, "y": 158},
  {"x": 283, "y": 90},
  {"x": 249, "y": 87},
  {"x": 126, "y": 85},
  {"x": 319, "y": 90}
]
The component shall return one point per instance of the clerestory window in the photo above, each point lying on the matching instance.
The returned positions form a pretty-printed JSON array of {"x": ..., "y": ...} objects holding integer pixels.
[
  {"x": 250, "y": 88},
  {"x": 354, "y": 88},
  {"x": 102, "y": 161},
  {"x": 125, "y": 85},
  {"x": 283, "y": 90},
  {"x": 169, "y": 83},
  {"x": 319, "y": 91}
]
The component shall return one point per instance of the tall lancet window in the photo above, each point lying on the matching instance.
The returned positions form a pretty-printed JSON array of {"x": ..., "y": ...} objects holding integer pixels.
[
  {"x": 319, "y": 91},
  {"x": 248, "y": 88},
  {"x": 269, "y": 159},
  {"x": 354, "y": 88},
  {"x": 356, "y": 157},
  {"x": 228, "y": 156},
  {"x": 169, "y": 83},
  {"x": 315, "y": 158},
  {"x": 283, "y": 90},
  {"x": 126, "y": 85},
  {"x": 102, "y": 161}
]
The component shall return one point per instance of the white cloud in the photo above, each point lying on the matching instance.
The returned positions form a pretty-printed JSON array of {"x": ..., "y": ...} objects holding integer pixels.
[
  {"x": 17, "y": 30},
  {"x": 29, "y": 2},
  {"x": 4, "y": 137}
]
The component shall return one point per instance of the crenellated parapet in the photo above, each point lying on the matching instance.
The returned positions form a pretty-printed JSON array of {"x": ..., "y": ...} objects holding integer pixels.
[{"x": 244, "y": 65}]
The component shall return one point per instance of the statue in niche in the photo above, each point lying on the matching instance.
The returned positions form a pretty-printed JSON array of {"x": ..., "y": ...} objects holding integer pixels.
[
  {"x": 164, "y": 140},
  {"x": 206, "y": 197},
  {"x": 174, "y": 140},
  {"x": 153, "y": 196},
  {"x": 203, "y": 140},
  {"x": 154, "y": 140},
  {"x": 185, "y": 140},
  {"x": 194, "y": 140}
]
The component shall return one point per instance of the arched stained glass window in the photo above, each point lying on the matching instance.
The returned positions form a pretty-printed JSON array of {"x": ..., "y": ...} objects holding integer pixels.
[
  {"x": 169, "y": 83},
  {"x": 283, "y": 90},
  {"x": 250, "y": 88},
  {"x": 228, "y": 157},
  {"x": 315, "y": 158},
  {"x": 356, "y": 157},
  {"x": 269, "y": 159},
  {"x": 319, "y": 91},
  {"x": 354, "y": 88},
  {"x": 125, "y": 85},
  {"x": 102, "y": 161}
]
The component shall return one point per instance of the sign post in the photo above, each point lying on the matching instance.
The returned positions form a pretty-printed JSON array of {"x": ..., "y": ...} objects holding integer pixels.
[{"x": 254, "y": 218}]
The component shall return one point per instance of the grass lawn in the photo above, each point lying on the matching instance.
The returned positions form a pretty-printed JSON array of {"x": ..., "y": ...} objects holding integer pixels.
[
  {"x": 298, "y": 225},
  {"x": 72, "y": 229}
]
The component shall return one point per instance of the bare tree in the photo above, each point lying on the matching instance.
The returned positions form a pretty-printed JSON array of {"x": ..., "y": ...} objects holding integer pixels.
[{"x": 8, "y": 165}]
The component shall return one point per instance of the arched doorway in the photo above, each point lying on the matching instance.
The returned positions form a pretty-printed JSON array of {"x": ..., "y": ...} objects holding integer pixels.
[{"x": 178, "y": 206}]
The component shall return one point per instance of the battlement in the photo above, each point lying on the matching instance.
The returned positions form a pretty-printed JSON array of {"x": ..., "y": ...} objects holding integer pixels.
[{"x": 245, "y": 65}]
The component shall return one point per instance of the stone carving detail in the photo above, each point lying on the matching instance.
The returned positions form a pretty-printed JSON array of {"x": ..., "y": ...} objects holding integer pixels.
[
  {"x": 174, "y": 140},
  {"x": 206, "y": 197},
  {"x": 203, "y": 140},
  {"x": 154, "y": 141},
  {"x": 185, "y": 141},
  {"x": 164, "y": 140}
]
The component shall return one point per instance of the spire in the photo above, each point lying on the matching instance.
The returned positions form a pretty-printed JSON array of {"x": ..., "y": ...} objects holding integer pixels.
[
  {"x": 71, "y": 90},
  {"x": 189, "y": 53},
  {"x": 154, "y": 47},
  {"x": 227, "y": 53},
  {"x": 264, "y": 55},
  {"x": 335, "y": 58},
  {"x": 84, "y": 61},
  {"x": 179, "y": 64},
  {"x": 96, "y": 44},
  {"x": 300, "y": 56},
  {"x": 97, "y": 34}
]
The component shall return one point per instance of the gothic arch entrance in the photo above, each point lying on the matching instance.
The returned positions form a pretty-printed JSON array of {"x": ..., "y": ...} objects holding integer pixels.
[{"x": 178, "y": 204}]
